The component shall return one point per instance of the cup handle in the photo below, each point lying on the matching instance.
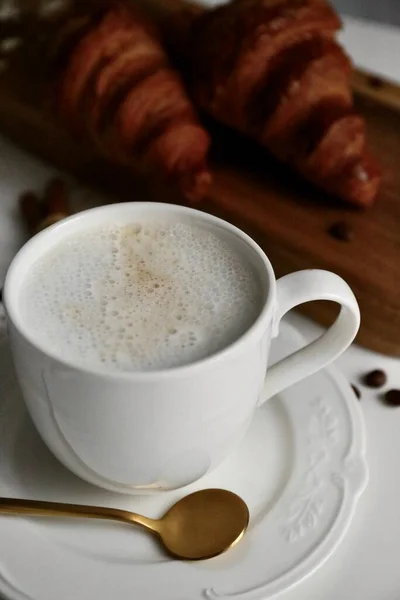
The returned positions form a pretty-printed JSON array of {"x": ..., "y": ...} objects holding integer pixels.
[{"x": 306, "y": 286}]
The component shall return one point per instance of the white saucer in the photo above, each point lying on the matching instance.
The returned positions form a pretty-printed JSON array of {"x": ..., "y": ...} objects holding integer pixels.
[{"x": 301, "y": 469}]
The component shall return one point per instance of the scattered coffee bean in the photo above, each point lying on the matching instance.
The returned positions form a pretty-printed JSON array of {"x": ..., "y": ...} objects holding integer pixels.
[
  {"x": 356, "y": 391},
  {"x": 375, "y": 82},
  {"x": 341, "y": 231},
  {"x": 375, "y": 379},
  {"x": 392, "y": 398}
]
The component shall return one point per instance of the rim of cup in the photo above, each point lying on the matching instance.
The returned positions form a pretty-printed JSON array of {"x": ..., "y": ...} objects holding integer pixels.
[{"x": 39, "y": 244}]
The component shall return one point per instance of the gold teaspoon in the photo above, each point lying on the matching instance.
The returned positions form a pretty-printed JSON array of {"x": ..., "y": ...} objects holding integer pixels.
[{"x": 199, "y": 526}]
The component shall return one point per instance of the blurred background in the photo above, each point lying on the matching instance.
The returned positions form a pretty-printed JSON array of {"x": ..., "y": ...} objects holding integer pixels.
[{"x": 385, "y": 11}]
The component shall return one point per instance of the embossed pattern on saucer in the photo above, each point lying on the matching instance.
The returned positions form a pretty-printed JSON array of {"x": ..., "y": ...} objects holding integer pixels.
[{"x": 301, "y": 469}]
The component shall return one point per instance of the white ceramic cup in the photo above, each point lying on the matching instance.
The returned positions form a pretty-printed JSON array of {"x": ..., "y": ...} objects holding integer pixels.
[{"x": 161, "y": 430}]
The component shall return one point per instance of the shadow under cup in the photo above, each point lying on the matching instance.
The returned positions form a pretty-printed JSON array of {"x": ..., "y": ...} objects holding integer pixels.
[{"x": 140, "y": 432}]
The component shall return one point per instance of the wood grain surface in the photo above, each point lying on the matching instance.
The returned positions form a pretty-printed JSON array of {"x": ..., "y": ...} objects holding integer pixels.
[{"x": 288, "y": 217}]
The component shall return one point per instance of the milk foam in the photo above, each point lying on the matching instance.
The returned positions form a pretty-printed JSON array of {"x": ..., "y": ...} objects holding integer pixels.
[{"x": 140, "y": 297}]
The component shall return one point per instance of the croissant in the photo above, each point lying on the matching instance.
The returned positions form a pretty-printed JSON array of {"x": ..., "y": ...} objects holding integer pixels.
[
  {"x": 273, "y": 70},
  {"x": 119, "y": 87}
]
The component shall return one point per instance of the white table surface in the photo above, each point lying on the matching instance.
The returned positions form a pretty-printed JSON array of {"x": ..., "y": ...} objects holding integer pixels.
[{"x": 366, "y": 566}]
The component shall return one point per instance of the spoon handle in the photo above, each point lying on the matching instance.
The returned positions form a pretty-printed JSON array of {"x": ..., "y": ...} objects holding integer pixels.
[{"x": 39, "y": 508}]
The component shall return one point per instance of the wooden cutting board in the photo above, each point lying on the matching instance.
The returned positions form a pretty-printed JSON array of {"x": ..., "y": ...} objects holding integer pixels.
[{"x": 286, "y": 216}]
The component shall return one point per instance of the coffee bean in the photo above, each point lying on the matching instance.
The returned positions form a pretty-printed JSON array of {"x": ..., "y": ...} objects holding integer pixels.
[
  {"x": 375, "y": 379},
  {"x": 392, "y": 398},
  {"x": 356, "y": 391},
  {"x": 341, "y": 231},
  {"x": 376, "y": 82}
]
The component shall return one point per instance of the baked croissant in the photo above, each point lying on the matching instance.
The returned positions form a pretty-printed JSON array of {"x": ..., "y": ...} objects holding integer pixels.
[
  {"x": 119, "y": 86},
  {"x": 273, "y": 70}
]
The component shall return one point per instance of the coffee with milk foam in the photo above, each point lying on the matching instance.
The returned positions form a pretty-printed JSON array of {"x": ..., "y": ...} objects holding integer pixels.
[{"x": 140, "y": 297}]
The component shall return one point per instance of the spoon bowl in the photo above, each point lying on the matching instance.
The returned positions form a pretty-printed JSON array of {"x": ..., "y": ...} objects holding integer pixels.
[{"x": 204, "y": 524}]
